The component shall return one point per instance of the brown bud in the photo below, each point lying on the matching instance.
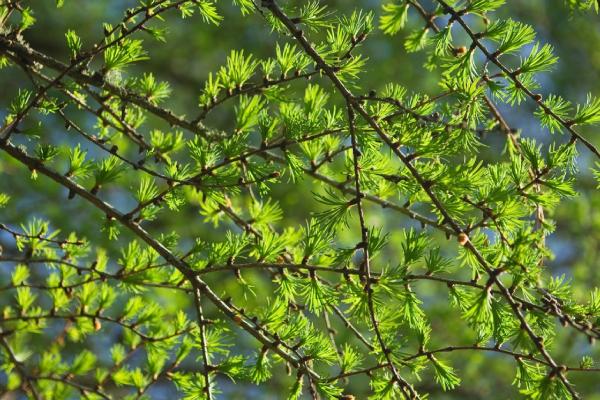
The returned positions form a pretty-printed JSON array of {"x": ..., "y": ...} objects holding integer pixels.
[
  {"x": 462, "y": 238},
  {"x": 97, "y": 325},
  {"x": 538, "y": 97},
  {"x": 459, "y": 51},
  {"x": 237, "y": 319}
]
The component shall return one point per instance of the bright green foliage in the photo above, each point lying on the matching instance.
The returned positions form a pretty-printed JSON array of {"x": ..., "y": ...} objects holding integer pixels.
[
  {"x": 125, "y": 52},
  {"x": 393, "y": 18},
  {"x": 73, "y": 42},
  {"x": 582, "y": 5},
  {"x": 292, "y": 232}
]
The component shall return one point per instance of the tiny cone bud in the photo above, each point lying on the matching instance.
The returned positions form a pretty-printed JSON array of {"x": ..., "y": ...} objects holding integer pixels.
[
  {"x": 562, "y": 369},
  {"x": 97, "y": 325},
  {"x": 462, "y": 238},
  {"x": 538, "y": 97},
  {"x": 461, "y": 50},
  {"x": 237, "y": 319}
]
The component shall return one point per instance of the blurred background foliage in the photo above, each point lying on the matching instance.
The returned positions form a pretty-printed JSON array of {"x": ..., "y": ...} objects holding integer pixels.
[{"x": 194, "y": 49}]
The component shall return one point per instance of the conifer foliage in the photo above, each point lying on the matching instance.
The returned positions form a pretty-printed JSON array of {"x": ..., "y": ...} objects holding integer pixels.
[{"x": 337, "y": 304}]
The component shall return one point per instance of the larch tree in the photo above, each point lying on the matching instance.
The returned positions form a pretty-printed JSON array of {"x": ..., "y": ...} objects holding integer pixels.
[{"x": 296, "y": 219}]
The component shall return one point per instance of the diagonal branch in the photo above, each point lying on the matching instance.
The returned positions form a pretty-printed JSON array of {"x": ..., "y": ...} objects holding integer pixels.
[{"x": 426, "y": 186}]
